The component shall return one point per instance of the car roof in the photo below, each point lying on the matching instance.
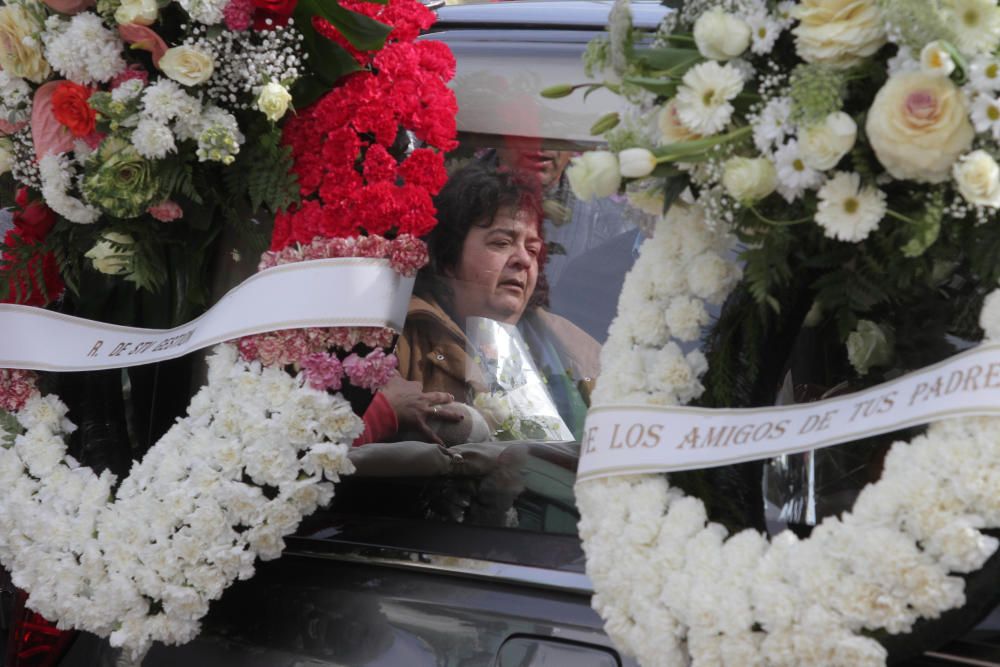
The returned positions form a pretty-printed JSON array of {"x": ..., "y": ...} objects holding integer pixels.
[
  {"x": 546, "y": 14},
  {"x": 508, "y": 52}
]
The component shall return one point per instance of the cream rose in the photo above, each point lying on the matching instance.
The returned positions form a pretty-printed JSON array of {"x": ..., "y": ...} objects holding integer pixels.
[
  {"x": 20, "y": 49},
  {"x": 187, "y": 65},
  {"x": 594, "y": 174},
  {"x": 918, "y": 126},
  {"x": 273, "y": 100},
  {"x": 139, "y": 12},
  {"x": 822, "y": 146},
  {"x": 978, "y": 178},
  {"x": 721, "y": 36},
  {"x": 748, "y": 179},
  {"x": 840, "y": 33},
  {"x": 107, "y": 259},
  {"x": 672, "y": 130}
]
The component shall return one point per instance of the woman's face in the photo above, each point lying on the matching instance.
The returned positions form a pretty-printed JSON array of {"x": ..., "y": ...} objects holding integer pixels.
[{"x": 498, "y": 268}]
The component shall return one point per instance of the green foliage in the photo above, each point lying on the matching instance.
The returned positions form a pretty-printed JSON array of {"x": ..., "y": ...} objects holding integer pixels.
[
  {"x": 816, "y": 91},
  {"x": 10, "y": 428},
  {"x": 916, "y": 24},
  {"x": 925, "y": 228}
]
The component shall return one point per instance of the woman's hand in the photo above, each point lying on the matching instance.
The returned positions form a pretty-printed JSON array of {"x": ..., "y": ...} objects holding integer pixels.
[{"x": 414, "y": 407}]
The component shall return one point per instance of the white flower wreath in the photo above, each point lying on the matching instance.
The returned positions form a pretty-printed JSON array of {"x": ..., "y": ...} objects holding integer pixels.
[
  {"x": 140, "y": 564},
  {"x": 676, "y": 589}
]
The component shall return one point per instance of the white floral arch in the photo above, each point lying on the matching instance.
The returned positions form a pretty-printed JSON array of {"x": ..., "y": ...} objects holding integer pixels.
[{"x": 676, "y": 589}]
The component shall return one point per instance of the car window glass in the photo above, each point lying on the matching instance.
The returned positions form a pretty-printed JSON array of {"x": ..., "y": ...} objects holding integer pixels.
[{"x": 513, "y": 330}]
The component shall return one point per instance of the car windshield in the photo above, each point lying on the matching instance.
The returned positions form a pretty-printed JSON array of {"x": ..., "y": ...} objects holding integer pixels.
[{"x": 508, "y": 317}]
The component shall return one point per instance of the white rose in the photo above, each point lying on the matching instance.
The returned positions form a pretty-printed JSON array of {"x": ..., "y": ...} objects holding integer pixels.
[
  {"x": 840, "y": 33},
  {"x": 748, "y": 179},
  {"x": 594, "y": 174},
  {"x": 918, "y": 125},
  {"x": 187, "y": 65},
  {"x": 273, "y": 100},
  {"x": 107, "y": 259},
  {"x": 636, "y": 162},
  {"x": 140, "y": 12},
  {"x": 821, "y": 146},
  {"x": 989, "y": 316},
  {"x": 978, "y": 178},
  {"x": 20, "y": 51},
  {"x": 721, "y": 36},
  {"x": 935, "y": 59}
]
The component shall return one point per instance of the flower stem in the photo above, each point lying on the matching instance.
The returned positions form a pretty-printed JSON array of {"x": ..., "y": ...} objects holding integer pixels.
[
  {"x": 686, "y": 149},
  {"x": 778, "y": 223},
  {"x": 900, "y": 216}
]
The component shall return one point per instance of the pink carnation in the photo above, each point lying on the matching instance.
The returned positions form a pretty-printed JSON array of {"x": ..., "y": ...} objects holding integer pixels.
[
  {"x": 322, "y": 371},
  {"x": 248, "y": 348},
  {"x": 238, "y": 14},
  {"x": 166, "y": 211},
  {"x": 16, "y": 387},
  {"x": 408, "y": 254},
  {"x": 268, "y": 349},
  {"x": 372, "y": 371},
  {"x": 133, "y": 71}
]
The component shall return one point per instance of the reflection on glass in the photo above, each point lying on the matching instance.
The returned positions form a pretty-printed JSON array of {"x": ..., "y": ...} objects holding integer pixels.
[{"x": 516, "y": 402}]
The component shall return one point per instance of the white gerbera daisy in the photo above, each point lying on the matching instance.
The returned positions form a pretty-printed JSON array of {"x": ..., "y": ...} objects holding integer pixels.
[
  {"x": 703, "y": 100},
  {"x": 846, "y": 210},
  {"x": 977, "y": 23},
  {"x": 771, "y": 126},
  {"x": 985, "y": 114},
  {"x": 764, "y": 31},
  {"x": 984, "y": 73},
  {"x": 784, "y": 13},
  {"x": 794, "y": 176}
]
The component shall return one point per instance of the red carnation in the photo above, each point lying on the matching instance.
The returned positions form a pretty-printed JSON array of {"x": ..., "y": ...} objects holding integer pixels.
[
  {"x": 379, "y": 165},
  {"x": 70, "y": 108},
  {"x": 425, "y": 168}
]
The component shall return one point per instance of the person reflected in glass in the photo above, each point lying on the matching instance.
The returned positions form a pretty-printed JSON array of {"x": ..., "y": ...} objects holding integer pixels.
[{"x": 486, "y": 256}]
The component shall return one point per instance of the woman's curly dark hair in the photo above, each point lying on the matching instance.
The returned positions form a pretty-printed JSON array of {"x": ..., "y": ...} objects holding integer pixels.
[{"x": 473, "y": 196}]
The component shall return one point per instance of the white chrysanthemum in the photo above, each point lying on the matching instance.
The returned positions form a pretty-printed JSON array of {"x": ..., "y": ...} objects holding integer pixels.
[
  {"x": 164, "y": 100},
  {"x": 984, "y": 73},
  {"x": 56, "y": 175},
  {"x": 794, "y": 176},
  {"x": 847, "y": 210},
  {"x": 764, "y": 31},
  {"x": 83, "y": 50},
  {"x": 127, "y": 90},
  {"x": 703, "y": 101},
  {"x": 153, "y": 140},
  {"x": 772, "y": 124},
  {"x": 977, "y": 23},
  {"x": 985, "y": 114}
]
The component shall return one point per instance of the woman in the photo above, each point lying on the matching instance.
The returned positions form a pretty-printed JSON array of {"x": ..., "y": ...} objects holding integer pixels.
[{"x": 485, "y": 258}]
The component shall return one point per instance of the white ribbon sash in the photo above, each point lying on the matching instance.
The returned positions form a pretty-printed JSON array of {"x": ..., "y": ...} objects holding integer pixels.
[
  {"x": 351, "y": 291},
  {"x": 625, "y": 440}
]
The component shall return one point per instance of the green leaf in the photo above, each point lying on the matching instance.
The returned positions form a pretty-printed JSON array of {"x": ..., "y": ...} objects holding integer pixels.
[
  {"x": 673, "y": 60},
  {"x": 664, "y": 87},
  {"x": 10, "y": 428},
  {"x": 672, "y": 188},
  {"x": 361, "y": 31}
]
